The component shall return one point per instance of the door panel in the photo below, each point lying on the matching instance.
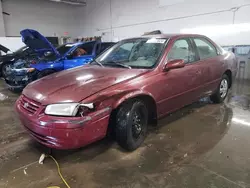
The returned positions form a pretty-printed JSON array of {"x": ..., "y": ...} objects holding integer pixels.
[
  {"x": 179, "y": 87},
  {"x": 212, "y": 62},
  {"x": 213, "y": 68},
  {"x": 182, "y": 86}
]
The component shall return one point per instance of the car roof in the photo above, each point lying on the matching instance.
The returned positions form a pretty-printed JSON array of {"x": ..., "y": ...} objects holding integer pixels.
[{"x": 173, "y": 35}]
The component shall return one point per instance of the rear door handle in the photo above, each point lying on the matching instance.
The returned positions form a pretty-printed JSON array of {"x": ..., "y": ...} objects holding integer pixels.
[{"x": 198, "y": 72}]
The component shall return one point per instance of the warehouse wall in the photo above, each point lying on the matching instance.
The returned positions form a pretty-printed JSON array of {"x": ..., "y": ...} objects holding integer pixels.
[
  {"x": 130, "y": 18},
  {"x": 50, "y": 18},
  {"x": 118, "y": 19},
  {"x": 2, "y": 31}
]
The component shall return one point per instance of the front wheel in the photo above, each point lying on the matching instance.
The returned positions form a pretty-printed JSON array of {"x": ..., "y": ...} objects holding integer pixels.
[
  {"x": 131, "y": 124},
  {"x": 5, "y": 69},
  {"x": 222, "y": 91}
]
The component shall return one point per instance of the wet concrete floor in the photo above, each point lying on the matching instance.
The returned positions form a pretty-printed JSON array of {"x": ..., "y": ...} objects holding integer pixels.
[{"x": 202, "y": 145}]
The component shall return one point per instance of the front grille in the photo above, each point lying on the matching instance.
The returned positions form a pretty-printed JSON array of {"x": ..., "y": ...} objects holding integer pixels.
[{"x": 29, "y": 105}]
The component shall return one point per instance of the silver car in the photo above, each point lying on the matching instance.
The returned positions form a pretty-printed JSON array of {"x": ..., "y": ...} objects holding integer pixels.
[{"x": 242, "y": 53}]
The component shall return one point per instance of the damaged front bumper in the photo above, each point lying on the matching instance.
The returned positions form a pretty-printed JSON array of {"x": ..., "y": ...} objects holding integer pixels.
[{"x": 62, "y": 132}]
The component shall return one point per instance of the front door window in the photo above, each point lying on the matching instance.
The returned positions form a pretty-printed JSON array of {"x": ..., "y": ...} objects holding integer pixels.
[{"x": 182, "y": 49}]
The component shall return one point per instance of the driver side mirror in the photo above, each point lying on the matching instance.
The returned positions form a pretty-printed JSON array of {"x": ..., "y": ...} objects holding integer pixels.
[{"x": 174, "y": 64}]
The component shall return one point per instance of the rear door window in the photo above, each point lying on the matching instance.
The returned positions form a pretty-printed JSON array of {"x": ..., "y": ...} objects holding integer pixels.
[{"x": 205, "y": 48}]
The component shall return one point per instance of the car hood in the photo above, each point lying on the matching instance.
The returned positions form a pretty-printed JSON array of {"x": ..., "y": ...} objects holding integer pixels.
[
  {"x": 4, "y": 49},
  {"x": 76, "y": 84},
  {"x": 37, "y": 42}
]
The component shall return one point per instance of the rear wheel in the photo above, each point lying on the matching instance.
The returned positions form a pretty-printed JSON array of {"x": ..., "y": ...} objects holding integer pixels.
[
  {"x": 131, "y": 124},
  {"x": 222, "y": 91},
  {"x": 45, "y": 73}
]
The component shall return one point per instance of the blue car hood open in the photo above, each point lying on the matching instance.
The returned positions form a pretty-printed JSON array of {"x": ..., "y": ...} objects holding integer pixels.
[{"x": 37, "y": 42}]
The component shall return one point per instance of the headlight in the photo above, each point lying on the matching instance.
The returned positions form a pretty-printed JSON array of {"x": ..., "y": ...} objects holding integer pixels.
[
  {"x": 30, "y": 69},
  {"x": 66, "y": 109}
]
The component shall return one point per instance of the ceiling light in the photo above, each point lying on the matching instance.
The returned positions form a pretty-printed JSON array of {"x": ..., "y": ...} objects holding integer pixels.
[{"x": 71, "y": 2}]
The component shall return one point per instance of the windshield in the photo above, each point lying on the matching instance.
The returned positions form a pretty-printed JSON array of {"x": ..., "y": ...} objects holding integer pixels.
[
  {"x": 50, "y": 56},
  {"x": 133, "y": 53}
]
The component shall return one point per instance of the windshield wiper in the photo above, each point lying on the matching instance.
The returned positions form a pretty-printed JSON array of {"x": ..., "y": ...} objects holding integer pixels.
[
  {"x": 119, "y": 64},
  {"x": 98, "y": 63}
]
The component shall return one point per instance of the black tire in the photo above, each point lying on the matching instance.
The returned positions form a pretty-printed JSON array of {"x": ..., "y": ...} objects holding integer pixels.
[
  {"x": 16, "y": 90},
  {"x": 3, "y": 70},
  {"x": 131, "y": 124},
  {"x": 217, "y": 97},
  {"x": 45, "y": 73}
]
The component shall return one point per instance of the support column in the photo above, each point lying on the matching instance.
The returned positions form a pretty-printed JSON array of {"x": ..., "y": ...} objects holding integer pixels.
[{"x": 2, "y": 29}]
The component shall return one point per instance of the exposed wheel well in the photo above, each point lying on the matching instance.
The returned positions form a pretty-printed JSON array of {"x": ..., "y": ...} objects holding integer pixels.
[
  {"x": 150, "y": 103},
  {"x": 229, "y": 74},
  {"x": 151, "y": 106}
]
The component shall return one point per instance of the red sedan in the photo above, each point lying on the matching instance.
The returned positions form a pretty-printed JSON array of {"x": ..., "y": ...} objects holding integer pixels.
[{"x": 126, "y": 88}]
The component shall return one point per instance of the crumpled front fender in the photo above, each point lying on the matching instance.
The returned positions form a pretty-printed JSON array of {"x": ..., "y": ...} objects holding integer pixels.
[
  {"x": 131, "y": 95},
  {"x": 115, "y": 98}
]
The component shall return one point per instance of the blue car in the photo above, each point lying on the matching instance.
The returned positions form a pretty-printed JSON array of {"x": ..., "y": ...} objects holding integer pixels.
[{"x": 50, "y": 59}]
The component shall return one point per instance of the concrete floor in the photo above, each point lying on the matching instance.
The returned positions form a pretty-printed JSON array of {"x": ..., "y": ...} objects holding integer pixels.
[{"x": 202, "y": 145}]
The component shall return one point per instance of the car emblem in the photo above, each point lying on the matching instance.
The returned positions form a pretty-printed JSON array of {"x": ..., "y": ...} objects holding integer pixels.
[{"x": 26, "y": 105}]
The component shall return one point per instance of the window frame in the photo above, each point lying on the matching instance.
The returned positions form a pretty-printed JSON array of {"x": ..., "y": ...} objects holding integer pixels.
[
  {"x": 109, "y": 44},
  {"x": 189, "y": 41},
  {"x": 97, "y": 47},
  {"x": 218, "y": 52}
]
